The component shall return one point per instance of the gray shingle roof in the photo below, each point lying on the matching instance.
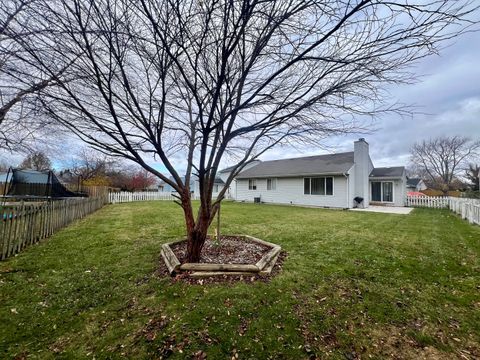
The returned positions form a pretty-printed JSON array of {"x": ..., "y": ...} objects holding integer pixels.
[
  {"x": 310, "y": 165},
  {"x": 413, "y": 181},
  {"x": 387, "y": 172},
  {"x": 219, "y": 181},
  {"x": 227, "y": 169}
]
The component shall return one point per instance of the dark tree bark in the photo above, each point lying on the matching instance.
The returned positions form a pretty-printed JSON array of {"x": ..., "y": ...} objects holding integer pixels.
[{"x": 198, "y": 81}]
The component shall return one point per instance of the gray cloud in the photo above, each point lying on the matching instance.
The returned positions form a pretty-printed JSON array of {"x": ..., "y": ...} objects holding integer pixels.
[{"x": 446, "y": 99}]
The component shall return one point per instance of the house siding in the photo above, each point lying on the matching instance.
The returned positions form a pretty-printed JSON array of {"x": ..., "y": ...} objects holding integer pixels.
[
  {"x": 351, "y": 187},
  {"x": 401, "y": 187},
  {"x": 290, "y": 191},
  {"x": 224, "y": 175}
]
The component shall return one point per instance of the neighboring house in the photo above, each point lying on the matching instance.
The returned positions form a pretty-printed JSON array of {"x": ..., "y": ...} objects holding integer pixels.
[
  {"x": 217, "y": 187},
  {"x": 159, "y": 186},
  {"x": 164, "y": 187},
  {"x": 224, "y": 174},
  {"x": 194, "y": 186},
  {"x": 415, "y": 185},
  {"x": 333, "y": 180}
]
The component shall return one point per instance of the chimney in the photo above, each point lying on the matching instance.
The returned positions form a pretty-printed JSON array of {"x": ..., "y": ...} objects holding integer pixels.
[{"x": 361, "y": 158}]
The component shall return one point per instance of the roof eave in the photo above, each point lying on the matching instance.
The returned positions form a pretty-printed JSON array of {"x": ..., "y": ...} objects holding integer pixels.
[
  {"x": 290, "y": 175},
  {"x": 386, "y": 177}
]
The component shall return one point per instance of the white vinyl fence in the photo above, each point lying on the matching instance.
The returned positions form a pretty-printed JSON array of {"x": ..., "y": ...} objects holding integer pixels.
[
  {"x": 468, "y": 209},
  {"x": 125, "y": 196},
  {"x": 436, "y": 202}
]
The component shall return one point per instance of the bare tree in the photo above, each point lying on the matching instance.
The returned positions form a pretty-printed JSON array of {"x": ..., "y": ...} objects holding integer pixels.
[
  {"x": 22, "y": 76},
  {"x": 473, "y": 176},
  {"x": 90, "y": 164},
  {"x": 3, "y": 166},
  {"x": 444, "y": 158},
  {"x": 201, "y": 80},
  {"x": 36, "y": 161}
]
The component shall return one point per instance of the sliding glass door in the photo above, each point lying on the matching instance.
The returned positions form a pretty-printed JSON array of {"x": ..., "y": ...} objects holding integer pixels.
[
  {"x": 382, "y": 191},
  {"x": 387, "y": 191},
  {"x": 376, "y": 191}
]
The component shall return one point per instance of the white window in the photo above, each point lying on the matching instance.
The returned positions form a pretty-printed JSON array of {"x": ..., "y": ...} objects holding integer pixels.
[
  {"x": 252, "y": 184},
  {"x": 318, "y": 186},
  {"x": 215, "y": 188},
  {"x": 271, "y": 184}
]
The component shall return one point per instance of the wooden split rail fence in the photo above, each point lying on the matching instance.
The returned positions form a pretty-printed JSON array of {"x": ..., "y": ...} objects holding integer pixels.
[
  {"x": 27, "y": 223},
  {"x": 468, "y": 209}
]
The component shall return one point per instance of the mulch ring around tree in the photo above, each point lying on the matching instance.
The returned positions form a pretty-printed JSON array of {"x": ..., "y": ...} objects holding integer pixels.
[{"x": 229, "y": 250}]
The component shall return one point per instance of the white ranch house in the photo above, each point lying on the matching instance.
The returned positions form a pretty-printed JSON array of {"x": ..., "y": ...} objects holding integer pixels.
[{"x": 325, "y": 180}]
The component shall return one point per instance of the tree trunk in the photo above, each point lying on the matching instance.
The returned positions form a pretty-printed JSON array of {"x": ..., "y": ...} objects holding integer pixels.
[
  {"x": 196, "y": 231},
  {"x": 195, "y": 241}
]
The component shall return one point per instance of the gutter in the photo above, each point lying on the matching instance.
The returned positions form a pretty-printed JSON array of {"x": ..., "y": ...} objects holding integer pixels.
[
  {"x": 385, "y": 178},
  {"x": 253, "y": 176}
]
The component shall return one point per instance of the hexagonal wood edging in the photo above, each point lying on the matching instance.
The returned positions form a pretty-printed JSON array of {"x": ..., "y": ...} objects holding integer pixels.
[{"x": 263, "y": 267}]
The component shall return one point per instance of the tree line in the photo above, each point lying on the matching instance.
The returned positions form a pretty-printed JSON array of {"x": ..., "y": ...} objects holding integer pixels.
[{"x": 89, "y": 168}]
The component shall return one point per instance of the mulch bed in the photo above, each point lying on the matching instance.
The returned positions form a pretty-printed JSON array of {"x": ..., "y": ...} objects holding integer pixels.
[
  {"x": 232, "y": 250},
  {"x": 229, "y": 250}
]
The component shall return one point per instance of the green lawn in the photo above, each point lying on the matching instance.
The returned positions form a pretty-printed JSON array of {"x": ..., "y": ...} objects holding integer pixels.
[{"x": 353, "y": 285}]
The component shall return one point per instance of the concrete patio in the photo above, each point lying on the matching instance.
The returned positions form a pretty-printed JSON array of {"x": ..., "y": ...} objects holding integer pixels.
[{"x": 387, "y": 209}]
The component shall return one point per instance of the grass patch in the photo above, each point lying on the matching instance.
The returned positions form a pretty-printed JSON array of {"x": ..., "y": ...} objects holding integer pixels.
[{"x": 354, "y": 284}]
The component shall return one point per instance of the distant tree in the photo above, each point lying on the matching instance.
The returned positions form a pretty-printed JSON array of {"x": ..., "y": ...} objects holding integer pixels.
[
  {"x": 98, "y": 180},
  {"x": 142, "y": 179},
  {"x": 415, "y": 171},
  {"x": 89, "y": 164},
  {"x": 120, "y": 179},
  {"x": 444, "y": 159},
  {"x": 36, "y": 161},
  {"x": 205, "y": 79},
  {"x": 92, "y": 168},
  {"x": 473, "y": 176},
  {"x": 3, "y": 166}
]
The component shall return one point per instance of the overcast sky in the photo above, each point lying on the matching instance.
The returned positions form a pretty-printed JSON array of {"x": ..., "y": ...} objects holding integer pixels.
[{"x": 448, "y": 94}]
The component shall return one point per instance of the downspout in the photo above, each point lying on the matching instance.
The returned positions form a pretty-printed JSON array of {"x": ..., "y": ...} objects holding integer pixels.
[{"x": 348, "y": 189}]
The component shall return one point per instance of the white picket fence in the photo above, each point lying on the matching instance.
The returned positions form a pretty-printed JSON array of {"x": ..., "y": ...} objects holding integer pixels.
[
  {"x": 468, "y": 209},
  {"x": 436, "y": 202},
  {"x": 125, "y": 196}
]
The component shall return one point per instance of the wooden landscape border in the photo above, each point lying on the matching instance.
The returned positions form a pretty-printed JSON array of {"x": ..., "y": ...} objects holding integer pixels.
[{"x": 263, "y": 267}]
